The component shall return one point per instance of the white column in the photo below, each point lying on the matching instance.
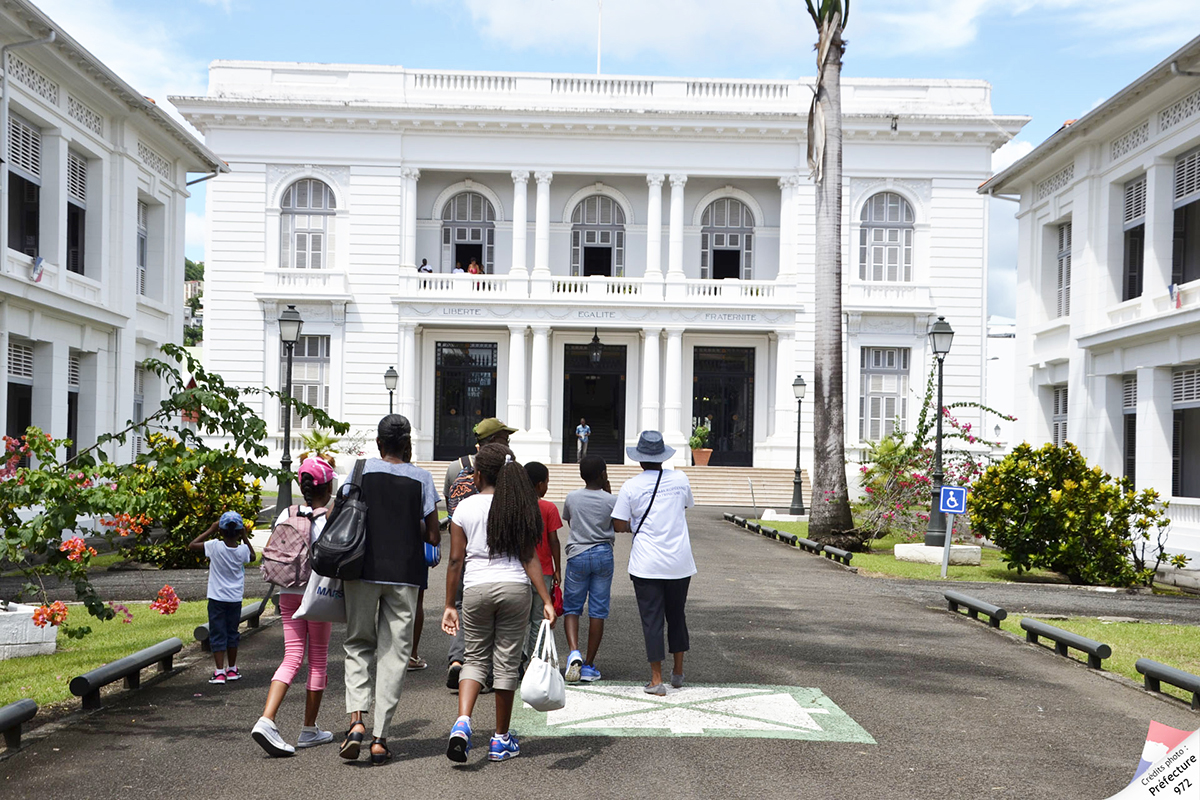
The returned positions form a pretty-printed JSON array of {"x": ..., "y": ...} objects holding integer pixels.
[
  {"x": 651, "y": 399},
  {"x": 785, "y": 399},
  {"x": 675, "y": 244},
  {"x": 520, "y": 224},
  {"x": 52, "y": 221},
  {"x": 654, "y": 226},
  {"x": 408, "y": 370},
  {"x": 51, "y": 362},
  {"x": 1160, "y": 229},
  {"x": 517, "y": 408},
  {"x": 541, "y": 234},
  {"x": 1155, "y": 429},
  {"x": 539, "y": 385},
  {"x": 673, "y": 401},
  {"x": 787, "y": 226},
  {"x": 408, "y": 257}
]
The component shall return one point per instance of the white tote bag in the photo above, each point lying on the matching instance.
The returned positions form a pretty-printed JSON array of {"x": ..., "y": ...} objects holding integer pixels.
[
  {"x": 543, "y": 686},
  {"x": 324, "y": 600}
]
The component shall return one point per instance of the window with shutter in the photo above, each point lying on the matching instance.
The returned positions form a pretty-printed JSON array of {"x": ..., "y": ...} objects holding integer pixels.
[
  {"x": 139, "y": 409},
  {"x": 885, "y": 239},
  {"x": 306, "y": 218},
  {"x": 143, "y": 245},
  {"x": 1187, "y": 177},
  {"x": 24, "y": 149},
  {"x": 1185, "y": 250},
  {"x": 727, "y": 234},
  {"x": 1134, "y": 218},
  {"x": 1177, "y": 454},
  {"x": 883, "y": 403},
  {"x": 310, "y": 375},
  {"x": 468, "y": 232},
  {"x": 1058, "y": 417},
  {"x": 1063, "y": 280},
  {"x": 20, "y": 361},
  {"x": 1129, "y": 419},
  {"x": 601, "y": 222},
  {"x": 24, "y": 186}
]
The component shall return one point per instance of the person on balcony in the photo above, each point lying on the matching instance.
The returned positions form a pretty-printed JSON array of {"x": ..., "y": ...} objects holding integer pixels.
[
  {"x": 424, "y": 266},
  {"x": 473, "y": 268}
]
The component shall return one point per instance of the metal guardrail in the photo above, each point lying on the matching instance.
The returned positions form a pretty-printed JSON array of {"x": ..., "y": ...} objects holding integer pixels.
[
  {"x": 838, "y": 554},
  {"x": 250, "y": 615},
  {"x": 975, "y": 607},
  {"x": 739, "y": 521},
  {"x": 12, "y": 717},
  {"x": 753, "y": 527},
  {"x": 728, "y": 517},
  {"x": 1155, "y": 674},
  {"x": 1096, "y": 651},
  {"x": 88, "y": 684},
  {"x": 808, "y": 545}
]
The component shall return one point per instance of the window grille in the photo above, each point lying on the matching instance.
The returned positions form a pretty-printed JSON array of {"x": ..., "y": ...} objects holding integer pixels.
[
  {"x": 727, "y": 224},
  {"x": 883, "y": 396},
  {"x": 1063, "y": 281},
  {"x": 1187, "y": 178},
  {"x": 598, "y": 221},
  {"x": 1129, "y": 395},
  {"x": 1135, "y": 202},
  {"x": 1177, "y": 454},
  {"x": 143, "y": 246},
  {"x": 1058, "y": 418},
  {"x": 154, "y": 161},
  {"x": 308, "y": 206},
  {"x": 1185, "y": 388},
  {"x": 310, "y": 375},
  {"x": 73, "y": 373},
  {"x": 885, "y": 239},
  {"x": 1130, "y": 443},
  {"x": 25, "y": 149},
  {"x": 81, "y": 113},
  {"x": 20, "y": 361},
  {"x": 35, "y": 80}
]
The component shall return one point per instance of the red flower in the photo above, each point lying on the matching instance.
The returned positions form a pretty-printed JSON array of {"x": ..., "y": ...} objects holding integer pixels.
[
  {"x": 167, "y": 601},
  {"x": 54, "y": 614}
]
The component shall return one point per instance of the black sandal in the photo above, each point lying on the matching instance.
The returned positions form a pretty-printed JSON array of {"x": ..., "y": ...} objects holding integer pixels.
[
  {"x": 380, "y": 758},
  {"x": 353, "y": 742}
]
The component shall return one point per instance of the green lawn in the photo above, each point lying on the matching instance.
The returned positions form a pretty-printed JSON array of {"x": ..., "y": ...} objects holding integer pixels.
[
  {"x": 881, "y": 561},
  {"x": 45, "y": 678},
  {"x": 1174, "y": 645}
]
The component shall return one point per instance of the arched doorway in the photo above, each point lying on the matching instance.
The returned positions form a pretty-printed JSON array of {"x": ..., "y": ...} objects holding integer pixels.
[
  {"x": 598, "y": 237},
  {"x": 468, "y": 232},
  {"x": 727, "y": 240}
]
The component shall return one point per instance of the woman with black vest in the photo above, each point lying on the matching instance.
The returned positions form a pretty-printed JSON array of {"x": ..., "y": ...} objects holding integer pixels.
[{"x": 381, "y": 607}]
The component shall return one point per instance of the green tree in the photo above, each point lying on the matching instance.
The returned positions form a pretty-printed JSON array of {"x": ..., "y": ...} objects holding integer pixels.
[{"x": 193, "y": 270}]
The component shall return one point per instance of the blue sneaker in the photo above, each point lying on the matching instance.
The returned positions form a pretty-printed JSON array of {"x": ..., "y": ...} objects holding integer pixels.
[
  {"x": 460, "y": 741},
  {"x": 589, "y": 673},
  {"x": 500, "y": 750},
  {"x": 574, "y": 663}
]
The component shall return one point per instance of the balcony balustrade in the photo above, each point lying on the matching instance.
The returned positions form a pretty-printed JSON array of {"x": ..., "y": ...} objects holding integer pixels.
[{"x": 877, "y": 297}]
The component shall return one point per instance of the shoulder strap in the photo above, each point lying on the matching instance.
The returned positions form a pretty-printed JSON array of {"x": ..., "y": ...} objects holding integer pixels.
[
  {"x": 356, "y": 475},
  {"x": 651, "y": 505},
  {"x": 465, "y": 461}
]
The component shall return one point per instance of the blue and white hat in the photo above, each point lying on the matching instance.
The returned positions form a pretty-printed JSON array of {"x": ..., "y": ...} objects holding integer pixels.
[
  {"x": 231, "y": 521},
  {"x": 650, "y": 448}
]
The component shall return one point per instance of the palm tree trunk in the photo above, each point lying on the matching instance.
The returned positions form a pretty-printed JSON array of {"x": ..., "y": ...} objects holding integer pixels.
[{"x": 829, "y": 511}]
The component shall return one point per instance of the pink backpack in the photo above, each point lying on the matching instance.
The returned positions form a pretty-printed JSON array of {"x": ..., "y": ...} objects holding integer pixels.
[{"x": 285, "y": 558}]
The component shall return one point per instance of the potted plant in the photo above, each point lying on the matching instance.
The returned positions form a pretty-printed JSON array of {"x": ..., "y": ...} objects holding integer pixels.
[
  {"x": 320, "y": 443},
  {"x": 698, "y": 442}
]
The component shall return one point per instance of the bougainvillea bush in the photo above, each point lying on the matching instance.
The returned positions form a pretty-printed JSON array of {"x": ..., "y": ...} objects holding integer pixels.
[{"x": 47, "y": 506}]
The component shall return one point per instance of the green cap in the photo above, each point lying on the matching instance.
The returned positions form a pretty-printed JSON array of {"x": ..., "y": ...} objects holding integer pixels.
[{"x": 490, "y": 427}]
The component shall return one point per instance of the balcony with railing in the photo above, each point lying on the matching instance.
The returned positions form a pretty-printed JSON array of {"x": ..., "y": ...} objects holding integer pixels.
[
  {"x": 308, "y": 283},
  {"x": 912, "y": 298}
]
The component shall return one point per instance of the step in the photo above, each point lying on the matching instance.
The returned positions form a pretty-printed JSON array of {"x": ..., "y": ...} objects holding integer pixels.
[{"x": 711, "y": 486}]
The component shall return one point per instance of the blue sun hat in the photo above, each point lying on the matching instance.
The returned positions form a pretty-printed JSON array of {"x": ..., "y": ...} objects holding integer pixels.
[
  {"x": 230, "y": 521},
  {"x": 650, "y": 448}
]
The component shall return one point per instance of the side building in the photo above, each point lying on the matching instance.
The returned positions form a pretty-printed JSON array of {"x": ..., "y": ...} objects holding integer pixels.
[
  {"x": 92, "y": 213},
  {"x": 1108, "y": 287},
  {"x": 645, "y": 248}
]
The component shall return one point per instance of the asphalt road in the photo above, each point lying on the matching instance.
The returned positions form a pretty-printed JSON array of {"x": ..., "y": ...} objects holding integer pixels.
[{"x": 955, "y": 709}]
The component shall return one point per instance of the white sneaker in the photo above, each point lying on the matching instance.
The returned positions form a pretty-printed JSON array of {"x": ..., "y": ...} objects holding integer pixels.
[
  {"x": 311, "y": 737},
  {"x": 268, "y": 738}
]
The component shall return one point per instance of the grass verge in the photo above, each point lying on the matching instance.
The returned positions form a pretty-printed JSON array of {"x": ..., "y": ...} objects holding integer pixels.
[
  {"x": 1174, "y": 645},
  {"x": 45, "y": 678},
  {"x": 881, "y": 561}
]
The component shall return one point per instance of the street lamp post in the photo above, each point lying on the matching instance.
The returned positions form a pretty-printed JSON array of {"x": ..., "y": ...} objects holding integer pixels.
[
  {"x": 596, "y": 349},
  {"x": 290, "y": 324},
  {"x": 797, "y": 509},
  {"x": 940, "y": 337},
  {"x": 390, "y": 379}
]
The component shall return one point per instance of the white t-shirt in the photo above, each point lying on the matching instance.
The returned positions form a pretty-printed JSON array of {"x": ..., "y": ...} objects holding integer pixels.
[
  {"x": 663, "y": 548},
  {"x": 480, "y": 566},
  {"x": 226, "y": 570},
  {"x": 317, "y": 526}
]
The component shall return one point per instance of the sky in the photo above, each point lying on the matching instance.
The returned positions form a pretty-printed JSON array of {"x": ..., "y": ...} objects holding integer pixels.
[{"x": 1052, "y": 60}]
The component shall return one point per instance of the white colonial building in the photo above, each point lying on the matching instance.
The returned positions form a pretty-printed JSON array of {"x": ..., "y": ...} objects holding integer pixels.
[
  {"x": 1108, "y": 294},
  {"x": 92, "y": 200},
  {"x": 669, "y": 218}
]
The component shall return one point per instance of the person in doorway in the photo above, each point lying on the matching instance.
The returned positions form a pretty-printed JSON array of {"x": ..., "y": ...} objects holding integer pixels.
[
  {"x": 493, "y": 550},
  {"x": 473, "y": 268},
  {"x": 227, "y": 560},
  {"x": 381, "y": 606},
  {"x": 300, "y": 636},
  {"x": 582, "y": 433},
  {"x": 458, "y": 268},
  {"x": 424, "y": 266},
  {"x": 459, "y": 485},
  {"x": 589, "y": 571},
  {"x": 652, "y": 506},
  {"x": 548, "y": 550}
]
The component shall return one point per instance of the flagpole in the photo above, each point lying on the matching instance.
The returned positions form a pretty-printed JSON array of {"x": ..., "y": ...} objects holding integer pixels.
[{"x": 599, "y": 31}]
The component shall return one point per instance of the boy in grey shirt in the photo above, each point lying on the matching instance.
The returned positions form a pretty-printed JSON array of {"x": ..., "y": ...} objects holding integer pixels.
[{"x": 589, "y": 572}]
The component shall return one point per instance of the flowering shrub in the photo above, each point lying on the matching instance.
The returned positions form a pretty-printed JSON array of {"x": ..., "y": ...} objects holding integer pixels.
[
  {"x": 167, "y": 602},
  {"x": 54, "y": 614},
  {"x": 121, "y": 610},
  {"x": 896, "y": 472},
  {"x": 76, "y": 550}
]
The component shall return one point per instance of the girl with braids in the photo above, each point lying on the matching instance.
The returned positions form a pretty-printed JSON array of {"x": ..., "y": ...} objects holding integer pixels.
[
  {"x": 493, "y": 540},
  {"x": 300, "y": 636}
]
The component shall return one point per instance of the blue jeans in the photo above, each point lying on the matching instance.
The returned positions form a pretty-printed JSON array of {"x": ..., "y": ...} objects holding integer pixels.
[
  {"x": 223, "y": 621},
  {"x": 589, "y": 578}
]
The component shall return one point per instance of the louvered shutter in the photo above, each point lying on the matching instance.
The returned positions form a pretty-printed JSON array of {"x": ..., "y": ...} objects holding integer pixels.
[
  {"x": 143, "y": 245},
  {"x": 24, "y": 149},
  {"x": 77, "y": 172},
  {"x": 1177, "y": 454},
  {"x": 1130, "y": 443},
  {"x": 20, "y": 360},
  {"x": 1135, "y": 202},
  {"x": 1064, "y": 270},
  {"x": 1187, "y": 178}
]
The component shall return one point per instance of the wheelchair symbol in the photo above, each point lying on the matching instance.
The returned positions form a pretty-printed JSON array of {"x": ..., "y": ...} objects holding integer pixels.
[{"x": 953, "y": 500}]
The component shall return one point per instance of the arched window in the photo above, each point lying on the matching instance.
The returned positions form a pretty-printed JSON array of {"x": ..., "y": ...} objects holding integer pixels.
[
  {"x": 727, "y": 240},
  {"x": 468, "y": 232},
  {"x": 306, "y": 225},
  {"x": 885, "y": 240},
  {"x": 598, "y": 237}
]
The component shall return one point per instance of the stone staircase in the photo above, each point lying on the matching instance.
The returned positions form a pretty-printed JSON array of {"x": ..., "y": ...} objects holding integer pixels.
[{"x": 711, "y": 486}]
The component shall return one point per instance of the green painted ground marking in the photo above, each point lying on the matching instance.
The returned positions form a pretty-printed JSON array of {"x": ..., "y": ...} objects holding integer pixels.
[{"x": 724, "y": 710}]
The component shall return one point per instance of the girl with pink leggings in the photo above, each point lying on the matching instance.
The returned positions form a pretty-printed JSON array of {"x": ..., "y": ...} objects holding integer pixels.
[{"x": 300, "y": 636}]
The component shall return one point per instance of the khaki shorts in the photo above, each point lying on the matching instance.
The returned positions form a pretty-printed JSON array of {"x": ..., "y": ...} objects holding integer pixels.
[{"x": 494, "y": 619}]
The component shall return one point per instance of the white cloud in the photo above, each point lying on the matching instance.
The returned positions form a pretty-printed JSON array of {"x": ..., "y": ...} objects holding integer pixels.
[
  {"x": 193, "y": 241},
  {"x": 224, "y": 5},
  {"x": 1010, "y": 153}
]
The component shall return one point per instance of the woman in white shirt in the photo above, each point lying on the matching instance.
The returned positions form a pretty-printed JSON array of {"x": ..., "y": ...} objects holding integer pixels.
[
  {"x": 299, "y": 636},
  {"x": 493, "y": 537},
  {"x": 652, "y": 507}
]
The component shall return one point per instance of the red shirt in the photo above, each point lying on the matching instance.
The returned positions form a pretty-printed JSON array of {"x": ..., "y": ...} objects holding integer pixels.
[{"x": 551, "y": 523}]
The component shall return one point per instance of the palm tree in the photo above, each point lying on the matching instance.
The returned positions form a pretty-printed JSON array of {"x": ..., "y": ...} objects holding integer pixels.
[{"x": 829, "y": 511}]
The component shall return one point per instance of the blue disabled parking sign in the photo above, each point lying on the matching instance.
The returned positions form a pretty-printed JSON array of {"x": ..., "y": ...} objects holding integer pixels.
[{"x": 953, "y": 500}]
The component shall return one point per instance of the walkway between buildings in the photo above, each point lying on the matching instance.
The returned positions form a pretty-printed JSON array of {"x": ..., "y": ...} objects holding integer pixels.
[{"x": 808, "y": 682}]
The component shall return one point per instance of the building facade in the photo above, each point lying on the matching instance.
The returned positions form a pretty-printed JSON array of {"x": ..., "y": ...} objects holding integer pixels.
[
  {"x": 92, "y": 213},
  {"x": 1108, "y": 287},
  {"x": 645, "y": 249}
]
